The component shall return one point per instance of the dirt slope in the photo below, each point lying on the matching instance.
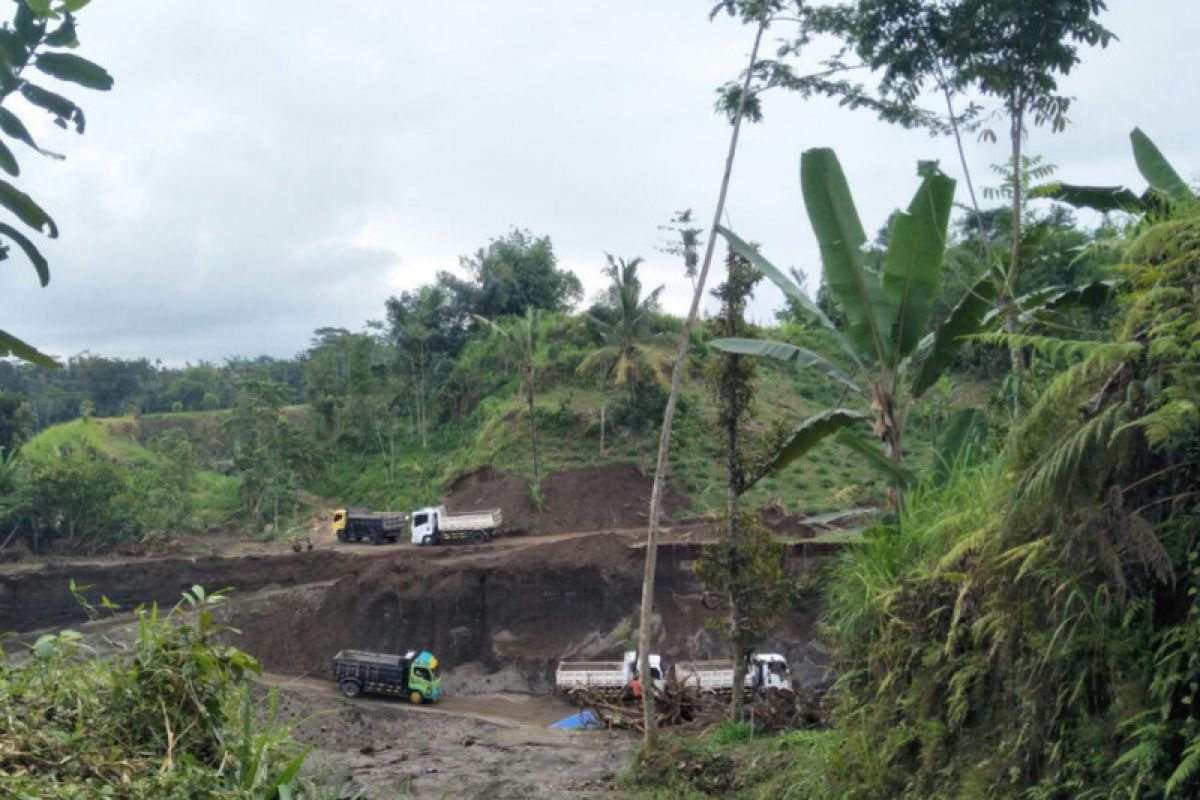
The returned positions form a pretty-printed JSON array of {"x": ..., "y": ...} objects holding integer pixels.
[{"x": 589, "y": 499}]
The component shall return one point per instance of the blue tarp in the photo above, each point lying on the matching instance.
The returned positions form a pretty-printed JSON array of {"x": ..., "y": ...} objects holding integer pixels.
[{"x": 584, "y": 719}]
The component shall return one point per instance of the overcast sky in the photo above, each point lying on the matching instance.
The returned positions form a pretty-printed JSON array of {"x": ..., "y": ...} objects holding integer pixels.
[{"x": 266, "y": 168}]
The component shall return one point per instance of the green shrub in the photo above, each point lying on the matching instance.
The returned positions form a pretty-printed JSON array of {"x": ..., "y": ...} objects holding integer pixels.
[
  {"x": 172, "y": 719},
  {"x": 79, "y": 494}
]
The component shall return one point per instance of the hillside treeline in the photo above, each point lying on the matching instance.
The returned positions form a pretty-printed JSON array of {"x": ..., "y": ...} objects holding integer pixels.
[{"x": 460, "y": 373}]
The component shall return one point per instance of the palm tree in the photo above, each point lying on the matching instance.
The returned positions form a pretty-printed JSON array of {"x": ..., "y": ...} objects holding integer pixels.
[{"x": 623, "y": 327}]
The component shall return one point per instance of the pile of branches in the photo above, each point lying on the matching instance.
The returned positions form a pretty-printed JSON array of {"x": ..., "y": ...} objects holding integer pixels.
[
  {"x": 676, "y": 704},
  {"x": 776, "y": 710},
  {"x": 770, "y": 711}
]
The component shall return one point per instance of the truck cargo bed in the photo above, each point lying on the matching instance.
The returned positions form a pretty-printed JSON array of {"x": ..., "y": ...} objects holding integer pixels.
[{"x": 470, "y": 521}]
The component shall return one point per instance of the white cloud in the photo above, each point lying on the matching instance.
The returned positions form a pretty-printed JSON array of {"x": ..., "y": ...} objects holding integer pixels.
[{"x": 264, "y": 169}]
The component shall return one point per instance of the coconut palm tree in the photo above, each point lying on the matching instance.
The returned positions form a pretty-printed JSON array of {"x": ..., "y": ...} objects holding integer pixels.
[{"x": 622, "y": 325}]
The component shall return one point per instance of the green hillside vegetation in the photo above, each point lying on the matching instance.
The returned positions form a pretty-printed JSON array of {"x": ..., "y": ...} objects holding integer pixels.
[
  {"x": 395, "y": 414},
  {"x": 95, "y": 482},
  {"x": 390, "y": 417},
  {"x": 494, "y": 434},
  {"x": 1026, "y": 627}
]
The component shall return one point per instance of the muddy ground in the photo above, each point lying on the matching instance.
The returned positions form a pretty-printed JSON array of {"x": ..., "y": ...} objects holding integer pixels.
[{"x": 484, "y": 746}]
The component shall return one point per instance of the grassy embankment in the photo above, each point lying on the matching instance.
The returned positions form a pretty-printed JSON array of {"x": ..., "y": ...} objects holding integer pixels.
[{"x": 214, "y": 495}]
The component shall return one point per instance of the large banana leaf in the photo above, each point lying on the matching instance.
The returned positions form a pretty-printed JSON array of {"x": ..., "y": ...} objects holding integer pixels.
[
  {"x": 12, "y": 346},
  {"x": 787, "y": 286},
  {"x": 805, "y": 437},
  {"x": 840, "y": 235},
  {"x": 1157, "y": 170},
  {"x": 896, "y": 474},
  {"x": 781, "y": 351},
  {"x": 913, "y": 268},
  {"x": 966, "y": 319},
  {"x": 1097, "y": 198}
]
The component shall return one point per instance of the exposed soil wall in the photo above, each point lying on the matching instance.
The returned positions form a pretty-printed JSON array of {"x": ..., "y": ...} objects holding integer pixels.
[
  {"x": 500, "y": 616},
  {"x": 589, "y": 499},
  {"x": 40, "y": 597},
  {"x": 521, "y": 609}
]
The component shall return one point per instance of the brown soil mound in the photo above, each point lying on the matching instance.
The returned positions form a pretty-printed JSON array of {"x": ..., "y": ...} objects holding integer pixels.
[{"x": 591, "y": 499}]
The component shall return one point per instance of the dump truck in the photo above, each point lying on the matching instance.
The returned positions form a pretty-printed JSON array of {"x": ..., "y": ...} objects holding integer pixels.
[
  {"x": 435, "y": 525},
  {"x": 376, "y": 527},
  {"x": 614, "y": 675},
  {"x": 766, "y": 671},
  {"x": 413, "y": 675}
]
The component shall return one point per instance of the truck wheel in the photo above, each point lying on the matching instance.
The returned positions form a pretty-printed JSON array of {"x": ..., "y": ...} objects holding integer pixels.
[
  {"x": 351, "y": 688},
  {"x": 427, "y": 540},
  {"x": 414, "y": 697},
  {"x": 478, "y": 537}
]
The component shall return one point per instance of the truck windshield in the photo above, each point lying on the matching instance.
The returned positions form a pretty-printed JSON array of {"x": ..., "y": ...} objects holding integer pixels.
[
  {"x": 422, "y": 674},
  {"x": 420, "y": 519}
]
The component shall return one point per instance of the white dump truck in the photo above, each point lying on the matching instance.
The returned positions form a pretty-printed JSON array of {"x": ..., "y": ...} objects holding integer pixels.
[
  {"x": 435, "y": 525},
  {"x": 766, "y": 671},
  {"x": 614, "y": 675}
]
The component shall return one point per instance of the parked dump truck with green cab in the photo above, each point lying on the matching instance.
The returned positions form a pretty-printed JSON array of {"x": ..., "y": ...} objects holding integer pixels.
[{"x": 413, "y": 675}]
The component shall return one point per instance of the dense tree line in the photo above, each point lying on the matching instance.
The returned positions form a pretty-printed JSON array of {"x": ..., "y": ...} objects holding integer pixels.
[{"x": 111, "y": 387}]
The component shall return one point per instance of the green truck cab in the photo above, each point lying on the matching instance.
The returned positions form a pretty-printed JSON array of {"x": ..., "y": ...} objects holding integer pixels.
[{"x": 413, "y": 675}]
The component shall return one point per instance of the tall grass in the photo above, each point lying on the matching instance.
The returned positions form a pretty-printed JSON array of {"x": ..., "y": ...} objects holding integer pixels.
[{"x": 938, "y": 522}]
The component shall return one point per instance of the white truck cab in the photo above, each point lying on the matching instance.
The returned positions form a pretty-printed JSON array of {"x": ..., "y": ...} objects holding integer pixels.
[
  {"x": 631, "y": 667},
  {"x": 425, "y": 526},
  {"x": 769, "y": 671}
]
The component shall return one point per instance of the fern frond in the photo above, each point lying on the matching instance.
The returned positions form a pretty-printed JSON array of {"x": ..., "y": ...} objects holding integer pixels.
[
  {"x": 1187, "y": 768},
  {"x": 960, "y": 603},
  {"x": 1029, "y": 554},
  {"x": 1053, "y": 348},
  {"x": 1058, "y": 467},
  {"x": 964, "y": 547},
  {"x": 1171, "y": 421},
  {"x": 1071, "y": 387}
]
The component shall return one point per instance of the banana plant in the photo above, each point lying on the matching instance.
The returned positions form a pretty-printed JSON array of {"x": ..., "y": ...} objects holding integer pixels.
[
  {"x": 39, "y": 37},
  {"x": 886, "y": 312},
  {"x": 1167, "y": 190}
]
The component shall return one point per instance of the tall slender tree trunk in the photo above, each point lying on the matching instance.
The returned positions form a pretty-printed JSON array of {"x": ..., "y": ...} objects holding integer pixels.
[
  {"x": 984, "y": 249},
  {"x": 734, "y": 543},
  {"x": 601, "y": 428},
  {"x": 1011, "y": 312},
  {"x": 645, "y": 631}
]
